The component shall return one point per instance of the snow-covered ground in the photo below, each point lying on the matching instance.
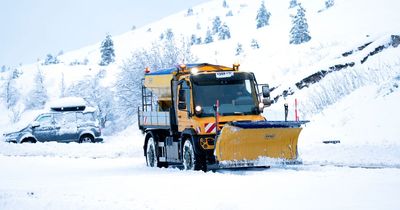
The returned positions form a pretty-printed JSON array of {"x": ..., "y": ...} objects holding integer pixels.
[
  {"x": 113, "y": 175},
  {"x": 368, "y": 137},
  {"x": 125, "y": 183}
]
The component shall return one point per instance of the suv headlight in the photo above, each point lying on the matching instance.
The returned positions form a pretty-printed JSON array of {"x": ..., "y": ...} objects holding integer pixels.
[{"x": 11, "y": 137}]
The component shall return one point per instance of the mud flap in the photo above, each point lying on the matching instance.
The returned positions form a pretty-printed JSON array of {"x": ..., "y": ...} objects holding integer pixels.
[{"x": 252, "y": 141}]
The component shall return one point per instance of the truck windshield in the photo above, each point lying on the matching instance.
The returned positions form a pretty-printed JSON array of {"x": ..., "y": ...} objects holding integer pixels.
[{"x": 236, "y": 94}]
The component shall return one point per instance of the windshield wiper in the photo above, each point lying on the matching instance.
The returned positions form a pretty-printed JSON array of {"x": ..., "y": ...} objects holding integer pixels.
[
  {"x": 238, "y": 113},
  {"x": 232, "y": 113}
]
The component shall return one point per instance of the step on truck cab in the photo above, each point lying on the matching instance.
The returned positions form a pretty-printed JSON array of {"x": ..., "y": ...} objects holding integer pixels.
[{"x": 205, "y": 116}]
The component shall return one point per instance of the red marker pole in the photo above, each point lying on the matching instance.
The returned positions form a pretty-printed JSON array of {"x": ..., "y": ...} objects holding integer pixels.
[{"x": 217, "y": 118}]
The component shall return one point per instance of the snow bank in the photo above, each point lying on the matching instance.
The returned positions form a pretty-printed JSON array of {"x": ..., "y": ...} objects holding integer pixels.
[{"x": 365, "y": 124}]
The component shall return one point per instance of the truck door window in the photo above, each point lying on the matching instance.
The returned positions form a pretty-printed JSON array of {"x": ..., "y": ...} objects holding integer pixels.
[
  {"x": 181, "y": 99},
  {"x": 184, "y": 96}
]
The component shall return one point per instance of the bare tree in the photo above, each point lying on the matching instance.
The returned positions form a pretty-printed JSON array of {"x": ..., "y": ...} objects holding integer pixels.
[
  {"x": 164, "y": 55},
  {"x": 102, "y": 98},
  {"x": 10, "y": 93},
  {"x": 37, "y": 97}
]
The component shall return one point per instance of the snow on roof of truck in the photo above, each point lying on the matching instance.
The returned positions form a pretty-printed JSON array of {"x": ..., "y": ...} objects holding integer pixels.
[{"x": 174, "y": 69}]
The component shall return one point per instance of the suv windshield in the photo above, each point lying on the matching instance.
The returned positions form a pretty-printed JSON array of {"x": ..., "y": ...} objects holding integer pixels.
[{"x": 236, "y": 94}]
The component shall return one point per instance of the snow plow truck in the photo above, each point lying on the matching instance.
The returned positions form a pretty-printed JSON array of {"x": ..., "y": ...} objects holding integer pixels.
[{"x": 205, "y": 117}]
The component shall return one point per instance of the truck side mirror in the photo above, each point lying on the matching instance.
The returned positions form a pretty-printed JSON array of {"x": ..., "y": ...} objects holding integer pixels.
[
  {"x": 265, "y": 91},
  {"x": 267, "y": 102}
]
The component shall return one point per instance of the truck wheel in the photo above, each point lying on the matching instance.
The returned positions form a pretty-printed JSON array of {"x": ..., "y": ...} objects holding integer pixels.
[
  {"x": 191, "y": 161},
  {"x": 151, "y": 155},
  {"x": 188, "y": 155}
]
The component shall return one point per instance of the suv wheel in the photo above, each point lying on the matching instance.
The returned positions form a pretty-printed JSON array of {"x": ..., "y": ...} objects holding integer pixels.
[
  {"x": 86, "y": 139},
  {"x": 28, "y": 140}
]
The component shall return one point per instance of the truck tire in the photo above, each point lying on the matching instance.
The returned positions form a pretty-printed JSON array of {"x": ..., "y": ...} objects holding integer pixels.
[
  {"x": 151, "y": 154},
  {"x": 191, "y": 161}
]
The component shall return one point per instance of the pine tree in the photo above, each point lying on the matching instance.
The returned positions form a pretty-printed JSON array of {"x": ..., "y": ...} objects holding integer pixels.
[
  {"x": 169, "y": 35},
  {"x": 224, "y": 32},
  {"x": 263, "y": 16},
  {"x": 293, "y": 4},
  {"x": 329, "y": 3},
  {"x": 299, "y": 32},
  {"x": 189, "y": 12},
  {"x": 107, "y": 51},
  {"x": 208, "y": 38},
  {"x": 195, "y": 40},
  {"x": 254, "y": 44},
  {"x": 216, "y": 25},
  {"x": 239, "y": 49},
  {"x": 198, "y": 40},
  {"x": 50, "y": 59},
  {"x": 16, "y": 73},
  {"x": 37, "y": 97},
  {"x": 224, "y": 4}
]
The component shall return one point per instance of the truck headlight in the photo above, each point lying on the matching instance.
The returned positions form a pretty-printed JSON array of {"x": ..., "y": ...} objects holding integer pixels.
[
  {"x": 198, "y": 110},
  {"x": 261, "y": 106}
]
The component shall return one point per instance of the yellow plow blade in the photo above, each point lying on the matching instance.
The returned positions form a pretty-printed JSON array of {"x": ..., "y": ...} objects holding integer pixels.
[{"x": 248, "y": 144}]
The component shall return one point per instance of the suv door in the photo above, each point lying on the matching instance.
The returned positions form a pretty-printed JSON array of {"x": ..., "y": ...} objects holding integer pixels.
[
  {"x": 46, "y": 130},
  {"x": 66, "y": 126}
]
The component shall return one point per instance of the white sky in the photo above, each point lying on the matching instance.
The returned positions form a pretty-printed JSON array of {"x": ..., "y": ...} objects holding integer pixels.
[{"x": 30, "y": 29}]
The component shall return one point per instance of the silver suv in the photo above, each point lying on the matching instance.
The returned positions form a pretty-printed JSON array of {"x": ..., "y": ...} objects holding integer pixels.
[{"x": 71, "y": 124}]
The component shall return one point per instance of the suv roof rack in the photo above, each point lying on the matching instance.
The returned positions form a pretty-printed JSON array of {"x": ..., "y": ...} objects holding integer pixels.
[{"x": 68, "y": 108}]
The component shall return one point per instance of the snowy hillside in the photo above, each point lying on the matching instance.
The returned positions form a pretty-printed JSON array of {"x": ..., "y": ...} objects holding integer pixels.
[{"x": 345, "y": 33}]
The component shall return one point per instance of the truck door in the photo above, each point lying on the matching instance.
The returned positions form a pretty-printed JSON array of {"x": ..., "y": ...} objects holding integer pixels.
[{"x": 184, "y": 105}]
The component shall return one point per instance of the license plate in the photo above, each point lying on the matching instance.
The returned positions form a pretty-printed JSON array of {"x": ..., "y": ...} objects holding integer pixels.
[{"x": 224, "y": 74}]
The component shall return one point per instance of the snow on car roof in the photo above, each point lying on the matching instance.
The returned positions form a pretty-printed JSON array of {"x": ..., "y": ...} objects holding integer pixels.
[
  {"x": 67, "y": 102},
  {"x": 89, "y": 109}
]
